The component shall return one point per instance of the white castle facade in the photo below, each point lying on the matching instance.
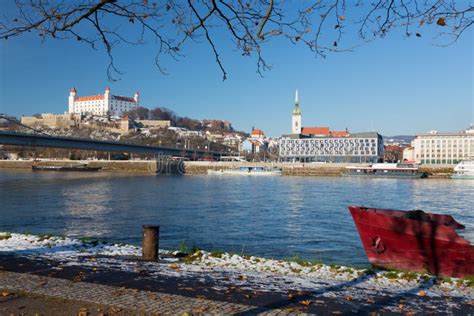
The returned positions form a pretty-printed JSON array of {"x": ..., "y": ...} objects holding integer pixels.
[{"x": 104, "y": 104}]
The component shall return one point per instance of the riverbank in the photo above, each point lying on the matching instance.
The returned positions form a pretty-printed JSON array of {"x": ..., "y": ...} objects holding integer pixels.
[
  {"x": 232, "y": 283},
  {"x": 201, "y": 167},
  {"x": 303, "y": 169},
  {"x": 135, "y": 166}
]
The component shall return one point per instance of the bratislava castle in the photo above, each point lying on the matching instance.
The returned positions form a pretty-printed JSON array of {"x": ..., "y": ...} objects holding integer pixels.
[{"x": 103, "y": 104}]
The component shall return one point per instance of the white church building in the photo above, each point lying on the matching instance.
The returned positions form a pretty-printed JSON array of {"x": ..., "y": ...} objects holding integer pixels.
[{"x": 102, "y": 104}]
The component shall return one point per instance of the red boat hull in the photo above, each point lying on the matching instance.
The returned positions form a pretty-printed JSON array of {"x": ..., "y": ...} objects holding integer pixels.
[{"x": 414, "y": 240}]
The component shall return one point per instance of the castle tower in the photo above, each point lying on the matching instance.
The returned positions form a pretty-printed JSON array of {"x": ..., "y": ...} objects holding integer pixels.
[
  {"x": 72, "y": 99},
  {"x": 136, "y": 96},
  {"x": 296, "y": 118},
  {"x": 108, "y": 101}
]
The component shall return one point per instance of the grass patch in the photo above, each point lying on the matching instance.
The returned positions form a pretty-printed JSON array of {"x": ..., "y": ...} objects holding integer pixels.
[
  {"x": 89, "y": 241},
  {"x": 391, "y": 275},
  {"x": 303, "y": 262},
  {"x": 409, "y": 276},
  {"x": 195, "y": 256},
  {"x": 469, "y": 281},
  {"x": 5, "y": 236},
  {"x": 216, "y": 254},
  {"x": 183, "y": 246}
]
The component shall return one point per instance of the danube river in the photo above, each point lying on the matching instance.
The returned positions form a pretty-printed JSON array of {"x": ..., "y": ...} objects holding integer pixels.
[{"x": 277, "y": 217}]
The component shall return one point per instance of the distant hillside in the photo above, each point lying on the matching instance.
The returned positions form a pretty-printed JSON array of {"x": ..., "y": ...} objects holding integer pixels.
[{"x": 405, "y": 139}]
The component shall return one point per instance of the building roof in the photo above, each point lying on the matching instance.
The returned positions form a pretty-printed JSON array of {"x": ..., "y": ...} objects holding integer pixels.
[
  {"x": 315, "y": 131},
  {"x": 339, "y": 133},
  {"x": 90, "y": 98},
  {"x": 73, "y": 89},
  {"x": 257, "y": 132}
]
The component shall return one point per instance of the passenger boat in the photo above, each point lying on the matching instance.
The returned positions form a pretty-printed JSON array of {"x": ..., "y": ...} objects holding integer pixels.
[
  {"x": 464, "y": 170},
  {"x": 65, "y": 168},
  {"x": 386, "y": 170},
  {"x": 414, "y": 240},
  {"x": 247, "y": 171}
]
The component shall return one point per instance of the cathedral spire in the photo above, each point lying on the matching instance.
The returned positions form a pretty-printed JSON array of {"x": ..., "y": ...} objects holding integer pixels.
[{"x": 296, "y": 109}]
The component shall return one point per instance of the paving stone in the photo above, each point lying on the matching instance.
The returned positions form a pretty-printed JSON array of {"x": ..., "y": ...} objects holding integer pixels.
[{"x": 130, "y": 299}]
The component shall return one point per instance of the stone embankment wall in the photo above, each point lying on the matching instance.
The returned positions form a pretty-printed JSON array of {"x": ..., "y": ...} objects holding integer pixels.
[
  {"x": 438, "y": 171},
  {"x": 300, "y": 169},
  {"x": 201, "y": 167},
  {"x": 290, "y": 169},
  {"x": 106, "y": 165}
]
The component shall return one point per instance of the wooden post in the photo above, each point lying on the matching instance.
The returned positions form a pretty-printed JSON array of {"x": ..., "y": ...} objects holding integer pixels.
[{"x": 151, "y": 238}]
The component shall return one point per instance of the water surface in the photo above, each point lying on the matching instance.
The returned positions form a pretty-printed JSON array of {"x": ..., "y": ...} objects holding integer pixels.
[{"x": 276, "y": 217}]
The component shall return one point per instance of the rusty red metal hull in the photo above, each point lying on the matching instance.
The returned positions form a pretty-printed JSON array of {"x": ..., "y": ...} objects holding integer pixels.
[{"x": 414, "y": 241}]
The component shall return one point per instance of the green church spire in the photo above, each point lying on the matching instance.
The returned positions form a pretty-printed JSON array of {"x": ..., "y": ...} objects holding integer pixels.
[{"x": 296, "y": 109}]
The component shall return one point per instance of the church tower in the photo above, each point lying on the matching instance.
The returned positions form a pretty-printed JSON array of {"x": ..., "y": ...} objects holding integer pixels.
[{"x": 296, "y": 118}]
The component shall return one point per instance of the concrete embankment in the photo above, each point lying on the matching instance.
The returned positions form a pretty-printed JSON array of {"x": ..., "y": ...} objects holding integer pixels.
[
  {"x": 148, "y": 166},
  {"x": 288, "y": 169},
  {"x": 201, "y": 167},
  {"x": 302, "y": 169}
]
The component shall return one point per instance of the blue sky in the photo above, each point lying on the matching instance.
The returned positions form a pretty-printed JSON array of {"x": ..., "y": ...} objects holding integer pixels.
[{"x": 393, "y": 85}]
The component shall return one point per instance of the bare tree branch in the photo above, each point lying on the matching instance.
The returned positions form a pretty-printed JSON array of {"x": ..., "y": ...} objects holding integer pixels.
[{"x": 324, "y": 26}]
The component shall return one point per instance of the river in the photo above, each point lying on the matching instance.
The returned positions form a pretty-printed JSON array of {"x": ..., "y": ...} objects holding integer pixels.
[{"x": 279, "y": 217}]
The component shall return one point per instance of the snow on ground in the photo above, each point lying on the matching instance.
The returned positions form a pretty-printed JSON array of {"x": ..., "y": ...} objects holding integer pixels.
[{"x": 231, "y": 270}]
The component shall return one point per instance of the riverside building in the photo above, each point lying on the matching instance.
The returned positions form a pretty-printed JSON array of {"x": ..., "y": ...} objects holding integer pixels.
[
  {"x": 444, "y": 148},
  {"x": 320, "y": 144},
  {"x": 103, "y": 104}
]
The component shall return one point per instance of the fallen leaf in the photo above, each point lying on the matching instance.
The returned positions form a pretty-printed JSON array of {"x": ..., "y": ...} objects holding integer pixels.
[
  {"x": 349, "y": 298},
  {"x": 306, "y": 302},
  {"x": 441, "y": 22},
  {"x": 5, "y": 294},
  {"x": 342, "y": 17},
  {"x": 370, "y": 301},
  {"x": 401, "y": 306},
  {"x": 174, "y": 266},
  {"x": 421, "y": 293}
]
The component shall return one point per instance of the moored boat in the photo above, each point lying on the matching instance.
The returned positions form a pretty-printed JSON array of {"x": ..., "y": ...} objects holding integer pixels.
[
  {"x": 464, "y": 170},
  {"x": 386, "y": 170},
  {"x": 65, "y": 168},
  {"x": 247, "y": 171},
  {"x": 414, "y": 240}
]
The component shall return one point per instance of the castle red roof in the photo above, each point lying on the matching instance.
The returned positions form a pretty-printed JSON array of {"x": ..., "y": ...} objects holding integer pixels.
[{"x": 90, "y": 98}]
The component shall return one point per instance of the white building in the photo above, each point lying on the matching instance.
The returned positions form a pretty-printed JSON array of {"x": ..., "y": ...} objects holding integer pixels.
[
  {"x": 105, "y": 104},
  {"x": 444, "y": 148},
  {"x": 320, "y": 144}
]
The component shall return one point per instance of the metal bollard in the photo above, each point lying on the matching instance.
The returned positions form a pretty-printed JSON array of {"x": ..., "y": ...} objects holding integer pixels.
[{"x": 151, "y": 241}]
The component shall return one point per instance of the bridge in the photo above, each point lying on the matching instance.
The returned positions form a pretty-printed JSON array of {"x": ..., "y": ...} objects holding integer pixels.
[{"x": 42, "y": 140}]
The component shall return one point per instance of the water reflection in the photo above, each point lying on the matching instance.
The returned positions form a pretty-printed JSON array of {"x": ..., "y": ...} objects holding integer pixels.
[{"x": 87, "y": 208}]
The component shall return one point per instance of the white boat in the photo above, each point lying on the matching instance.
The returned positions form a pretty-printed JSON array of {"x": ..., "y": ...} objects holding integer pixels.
[
  {"x": 464, "y": 170},
  {"x": 247, "y": 171}
]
